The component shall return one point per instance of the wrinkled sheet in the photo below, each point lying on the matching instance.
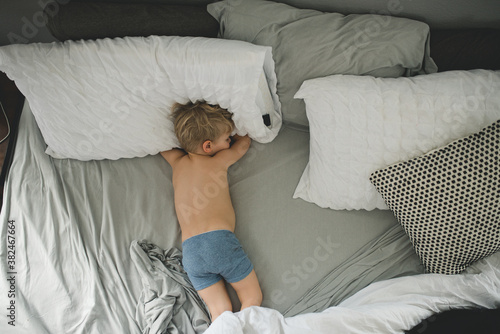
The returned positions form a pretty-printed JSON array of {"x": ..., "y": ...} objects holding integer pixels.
[
  {"x": 75, "y": 222},
  {"x": 390, "y": 306},
  {"x": 168, "y": 302}
]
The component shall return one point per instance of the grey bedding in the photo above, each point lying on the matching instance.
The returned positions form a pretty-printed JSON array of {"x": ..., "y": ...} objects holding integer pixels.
[
  {"x": 76, "y": 221},
  {"x": 168, "y": 302}
]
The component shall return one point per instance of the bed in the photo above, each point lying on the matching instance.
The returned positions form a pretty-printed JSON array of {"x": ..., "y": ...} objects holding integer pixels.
[{"x": 349, "y": 201}]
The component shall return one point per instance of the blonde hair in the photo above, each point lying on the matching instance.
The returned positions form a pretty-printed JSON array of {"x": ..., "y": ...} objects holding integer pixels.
[{"x": 194, "y": 123}]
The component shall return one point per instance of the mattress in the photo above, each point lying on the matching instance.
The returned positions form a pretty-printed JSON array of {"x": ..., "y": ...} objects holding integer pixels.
[{"x": 75, "y": 222}]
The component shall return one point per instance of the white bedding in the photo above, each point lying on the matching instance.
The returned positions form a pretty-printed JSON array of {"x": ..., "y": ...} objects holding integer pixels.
[
  {"x": 359, "y": 124},
  {"x": 111, "y": 98},
  {"x": 390, "y": 306}
]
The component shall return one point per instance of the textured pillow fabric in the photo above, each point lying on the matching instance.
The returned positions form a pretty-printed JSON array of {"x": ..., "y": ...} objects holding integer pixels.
[
  {"x": 110, "y": 98},
  {"x": 309, "y": 44},
  {"x": 359, "y": 124},
  {"x": 448, "y": 201}
]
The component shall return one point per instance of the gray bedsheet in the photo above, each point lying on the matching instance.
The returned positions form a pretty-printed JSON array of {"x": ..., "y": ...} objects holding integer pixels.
[
  {"x": 75, "y": 222},
  {"x": 168, "y": 302}
]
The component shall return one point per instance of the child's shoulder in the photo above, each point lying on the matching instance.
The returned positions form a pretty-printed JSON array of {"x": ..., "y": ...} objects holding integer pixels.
[{"x": 173, "y": 156}]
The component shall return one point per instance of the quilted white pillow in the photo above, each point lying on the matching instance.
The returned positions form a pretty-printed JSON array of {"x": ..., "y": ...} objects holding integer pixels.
[
  {"x": 110, "y": 98},
  {"x": 359, "y": 124}
]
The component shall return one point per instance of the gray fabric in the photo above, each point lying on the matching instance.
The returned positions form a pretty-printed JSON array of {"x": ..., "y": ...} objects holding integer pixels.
[
  {"x": 309, "y": 44},
  {"x": 441, "y": 14},
  {"x": 80, "y": 218},
  {"x": 75, "y": 222},
  {"x": 95, "y": 20},
  {"x": 168, "y": 302},
  {"x": 292, "y": 243},
  {"x": 359, "y": 270}
]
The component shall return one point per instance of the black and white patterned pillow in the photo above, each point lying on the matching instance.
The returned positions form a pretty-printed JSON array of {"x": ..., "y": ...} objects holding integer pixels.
[{"x": 448, "y": 200}]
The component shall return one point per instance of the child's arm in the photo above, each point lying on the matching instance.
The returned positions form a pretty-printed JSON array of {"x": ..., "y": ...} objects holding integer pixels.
[
  {"x": 237, "y": 150},
  {"x": 172, "y": 155}
]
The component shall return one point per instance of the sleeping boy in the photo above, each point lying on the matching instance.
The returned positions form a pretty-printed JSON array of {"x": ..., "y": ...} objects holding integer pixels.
[{"x": 211, "y": 251}]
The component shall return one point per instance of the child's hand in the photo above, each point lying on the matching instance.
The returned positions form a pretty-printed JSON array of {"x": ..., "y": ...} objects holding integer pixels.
[
  {"x": 239, "y": 146},
  {"x": 244, "y": 138}
]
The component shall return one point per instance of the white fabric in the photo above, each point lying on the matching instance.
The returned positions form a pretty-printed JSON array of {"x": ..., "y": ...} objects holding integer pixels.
[
  {"x": 110, "y": 98},
  {"x": 359, "y": 124},
  {"x": 390, "y": 306}
]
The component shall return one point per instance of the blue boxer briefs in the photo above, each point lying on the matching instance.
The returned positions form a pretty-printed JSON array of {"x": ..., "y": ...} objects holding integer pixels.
[{"x": 212, "y": 256}]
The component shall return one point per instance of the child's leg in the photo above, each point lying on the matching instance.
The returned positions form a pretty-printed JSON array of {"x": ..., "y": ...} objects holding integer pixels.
[
  {"x": 216, "y": 298},
  {"x": 248, "y": 290}
]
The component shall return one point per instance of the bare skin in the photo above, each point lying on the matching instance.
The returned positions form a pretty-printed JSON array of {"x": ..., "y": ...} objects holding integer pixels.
[{"x": 203, "y": 204}]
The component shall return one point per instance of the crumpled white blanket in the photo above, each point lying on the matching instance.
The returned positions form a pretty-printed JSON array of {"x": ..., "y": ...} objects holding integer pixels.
[{"x": 390, "y": 306}]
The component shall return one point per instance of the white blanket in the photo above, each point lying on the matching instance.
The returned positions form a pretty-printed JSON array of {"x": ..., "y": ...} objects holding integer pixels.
[{"x": 390, "y": 306}]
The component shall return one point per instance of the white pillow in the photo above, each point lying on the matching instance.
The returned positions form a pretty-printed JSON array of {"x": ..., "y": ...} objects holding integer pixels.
[
  {"x": 110, "y": 98},
  {"x": 359, "y": 124}
]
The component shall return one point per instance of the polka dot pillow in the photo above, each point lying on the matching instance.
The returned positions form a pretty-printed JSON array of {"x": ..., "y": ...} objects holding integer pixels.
[{"x": 448, "y": 200}]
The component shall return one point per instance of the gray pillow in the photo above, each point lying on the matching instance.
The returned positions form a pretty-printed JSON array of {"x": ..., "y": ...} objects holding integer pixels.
[{"x": 309, "y": 44}]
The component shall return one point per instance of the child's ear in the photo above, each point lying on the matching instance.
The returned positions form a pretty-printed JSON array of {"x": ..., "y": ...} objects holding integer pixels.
[{"x": 207, "y": 146}]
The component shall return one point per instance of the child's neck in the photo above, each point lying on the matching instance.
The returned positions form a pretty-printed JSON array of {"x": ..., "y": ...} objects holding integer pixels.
[{"x": 198, "y": 154}]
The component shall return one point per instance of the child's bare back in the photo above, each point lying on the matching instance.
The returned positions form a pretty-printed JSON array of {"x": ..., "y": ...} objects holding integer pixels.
[
  {"x": 202, "y": 199},
  {"x": 211, "y": 252}
]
